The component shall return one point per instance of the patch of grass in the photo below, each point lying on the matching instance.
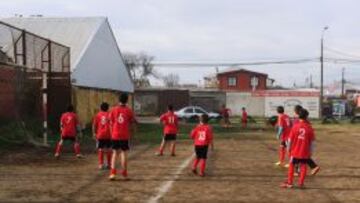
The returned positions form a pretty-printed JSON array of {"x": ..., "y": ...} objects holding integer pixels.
[
  {"x": 13, "y": 133},
  {"x": 153, "y": 133}
]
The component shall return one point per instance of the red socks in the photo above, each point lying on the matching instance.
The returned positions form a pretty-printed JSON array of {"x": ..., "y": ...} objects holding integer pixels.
[
  {"x": 161, "y": 150},
  {"x": 196, "y": 162},
  {"x": 202, "y": 166},
  {"x": 113, "y": 171},
  {"x": 282, "y": 152},
  {"x": 77, "y": 148},
  {"x": 58, "y": 148},
  {"x": 291, "y": 174},
  {"x": 303, "y": 170}
]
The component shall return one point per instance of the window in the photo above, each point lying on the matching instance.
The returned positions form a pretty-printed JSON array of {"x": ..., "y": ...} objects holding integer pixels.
[
  {"x": 198, "y": 110},
  {"x": 254, "y": 82},
  {"x": 231, "y": 81},
  {"x": 189, "y": 110}
]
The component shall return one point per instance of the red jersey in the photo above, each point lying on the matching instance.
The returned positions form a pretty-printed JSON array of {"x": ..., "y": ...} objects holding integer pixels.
[
  {"x": 170, "y": 121},
  {"x": 301, "y": 137},
  {"x": 285, "y": 123},
  {"x": 244, "y": 116},
  {"x": 68, "y": 122},
  {"x": 121, "y": 118},
  {"x": 102, "y": 125},
  {"x": 202, "y": 135},
  {"x": 225, "y": 112}
]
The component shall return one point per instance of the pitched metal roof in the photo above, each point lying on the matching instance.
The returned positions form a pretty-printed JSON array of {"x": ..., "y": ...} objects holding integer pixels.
[
  {"x": 96, "y": 59},
  {"x": 238, "y": 69}
]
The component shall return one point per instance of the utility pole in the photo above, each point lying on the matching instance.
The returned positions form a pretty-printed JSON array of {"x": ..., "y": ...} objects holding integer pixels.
[
  {"x": 343, "y": 82},
  {"x": 322, "y": 71}
]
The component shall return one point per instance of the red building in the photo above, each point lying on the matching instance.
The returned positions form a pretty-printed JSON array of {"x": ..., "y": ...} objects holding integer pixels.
[{"x": 243, "y": 80}]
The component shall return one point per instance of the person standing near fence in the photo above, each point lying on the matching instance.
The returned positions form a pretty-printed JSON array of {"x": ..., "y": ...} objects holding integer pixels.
[{"x": 70, "y": 128}]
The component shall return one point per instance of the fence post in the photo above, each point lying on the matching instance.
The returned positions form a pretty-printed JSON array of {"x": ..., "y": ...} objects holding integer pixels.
[{"x": 45, "y": 109}]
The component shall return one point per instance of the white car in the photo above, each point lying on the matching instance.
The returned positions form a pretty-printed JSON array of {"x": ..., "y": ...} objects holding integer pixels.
[{"x": 194, "y": 112}]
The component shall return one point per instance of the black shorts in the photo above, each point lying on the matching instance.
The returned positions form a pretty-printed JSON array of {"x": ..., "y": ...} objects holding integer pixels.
[
  {"x": 201, "y": 151},
  {"x": 72, "y": 139},
  {"x": 120, "y": 144},
  {"x": 103, "y": 143},
  {"x": 299, "y": 161},
  {"x": 170, "y": 137}
]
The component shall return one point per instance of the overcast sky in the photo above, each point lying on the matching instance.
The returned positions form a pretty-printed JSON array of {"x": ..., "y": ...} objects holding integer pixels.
[{"x": 227, "y": 30}]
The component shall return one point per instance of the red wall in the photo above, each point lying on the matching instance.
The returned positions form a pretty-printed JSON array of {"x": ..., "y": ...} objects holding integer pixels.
[{"x": 242, "y": 81}]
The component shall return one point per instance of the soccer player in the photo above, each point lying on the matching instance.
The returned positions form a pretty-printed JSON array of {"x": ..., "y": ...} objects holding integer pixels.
[
  {"x": 284, "y": 126},
  {"x": 170, "y": 122},
  {"x": 121, "y": 118},
  {"x": 300, "y": 147},
  {"x": 310, "y": 162},
  {"x": 244, "y": 117},
  {"x": 202, "y": 135},
  {"x": 69, "y": 127},
  {"x": 225, "y": 113},
  {"x": 101, "y": 132}
]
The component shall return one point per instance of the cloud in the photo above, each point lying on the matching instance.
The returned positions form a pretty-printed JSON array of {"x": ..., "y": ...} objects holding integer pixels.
[{"x": 212, "y": 30}]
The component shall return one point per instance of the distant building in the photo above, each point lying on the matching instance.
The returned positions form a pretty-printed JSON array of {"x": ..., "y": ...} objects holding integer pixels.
[
  {"x": 211, "y": 81},
  {"x": 238, "y": 79}
]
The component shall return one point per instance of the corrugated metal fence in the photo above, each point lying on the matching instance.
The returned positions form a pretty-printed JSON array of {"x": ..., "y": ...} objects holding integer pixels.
[{"x": 34, "y": 77}]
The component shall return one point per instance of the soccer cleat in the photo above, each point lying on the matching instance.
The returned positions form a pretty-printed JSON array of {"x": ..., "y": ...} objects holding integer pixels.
[
  {"x": 286, "y": 166},
  {"x": 158, "y": 154},
  {"x": 100, "y": 167},
  {"x": 315, "y": 170},
  {"x": 79, "y": 156},
  {"x": 202, "y": 174},
  {"x": 279, "y": 163},
  {"x": 112, "y": 177},
  {"x": 194, "y": 171},
  {"x": 173, "y": 154},
  {"x": 286, "y": 185},
  {"x": 57, "y": 155}
]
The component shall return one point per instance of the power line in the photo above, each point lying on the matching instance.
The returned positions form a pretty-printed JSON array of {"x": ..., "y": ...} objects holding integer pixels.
[
  {"x": 342, "y": 60},
  {"x": 336, "y": 51},
  {"x": 232, "y": 63}
]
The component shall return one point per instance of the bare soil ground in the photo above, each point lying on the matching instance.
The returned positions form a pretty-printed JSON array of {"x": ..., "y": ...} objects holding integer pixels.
[{"x": 241, "y": 169}]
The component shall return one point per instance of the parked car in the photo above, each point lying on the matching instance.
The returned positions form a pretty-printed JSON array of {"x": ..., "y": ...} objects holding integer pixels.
[{"x": 190, "y": 113}]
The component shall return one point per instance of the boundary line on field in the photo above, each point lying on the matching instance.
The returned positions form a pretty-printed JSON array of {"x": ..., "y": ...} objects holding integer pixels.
[{"x": 166, "y": 186}]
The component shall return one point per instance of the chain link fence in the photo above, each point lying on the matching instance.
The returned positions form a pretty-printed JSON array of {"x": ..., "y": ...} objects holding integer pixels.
[{"x": 35, "y": 83}]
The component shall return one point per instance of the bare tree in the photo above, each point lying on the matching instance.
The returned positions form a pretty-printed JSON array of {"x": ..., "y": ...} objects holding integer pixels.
[
  {"x": 171, "y": 80},
  {"x": 140, "y": 67}
]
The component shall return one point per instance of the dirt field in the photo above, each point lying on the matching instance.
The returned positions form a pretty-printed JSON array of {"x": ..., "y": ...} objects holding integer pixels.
[{"x": 240, "y": 169}]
